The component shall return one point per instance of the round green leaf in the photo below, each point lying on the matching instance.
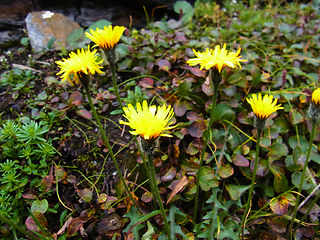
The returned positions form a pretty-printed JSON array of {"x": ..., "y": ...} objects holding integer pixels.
[
  {"x": 207, "y": 178},
  {"x": 39, "y": 206}
]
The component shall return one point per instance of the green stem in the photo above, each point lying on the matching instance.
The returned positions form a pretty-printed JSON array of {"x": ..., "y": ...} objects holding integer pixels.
[
  {"x": 146, "y": 168},
  {"x": 112, "y": 62},
  {"x": 216, "y": 78},
  {"x": 155, "y": 192},
  {"x": 106, "y": 142},
  {"x": 254, "y": 174},
  {"x": 17, "y": 227},
  {"x": 313, "y": 130},
  {"x": 308, "y": 211}
]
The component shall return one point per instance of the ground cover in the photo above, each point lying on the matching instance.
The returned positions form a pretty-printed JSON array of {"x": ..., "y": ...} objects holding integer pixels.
[{"x": 57, "y": 176}]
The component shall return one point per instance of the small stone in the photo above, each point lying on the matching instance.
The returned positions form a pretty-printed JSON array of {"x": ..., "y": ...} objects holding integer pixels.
[{"x": 44, "y": 25}]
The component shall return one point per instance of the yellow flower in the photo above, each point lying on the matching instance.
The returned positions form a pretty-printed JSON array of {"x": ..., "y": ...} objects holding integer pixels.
[
  {"x": 263, "y": 107},
  {"x": 217, "y": 58},
  {"x": 315, "y": 97},
  {"x": 148, "y": 122},
  {"x": 106, "y": 38},
  {"x": 84, "y": 61}
]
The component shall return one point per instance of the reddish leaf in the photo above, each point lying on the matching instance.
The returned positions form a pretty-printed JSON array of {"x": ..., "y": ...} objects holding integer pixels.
[
  {"x": 146, "y": 82},
  {"x": 146, "y": 197},
  {"x": 102, "y": 198},
  {"x": 109, "y": 224},
  {"x": 240, "y": 161},
  {"x": 75, "y": 98},
  {"x": 194, "y": 147},
  {"x": 64, "y": 96},
  {"x": 31, "y": 225},
  {"x": 65, "y": 225},
  {"x": 164, "y": 64},
  {"x": 60, "y": 173},
  {"x": 279, "y": 206},
  {"x": 85, "y": 194},
  {"x": 74, "y": 225},
  {"x": 207, "y": 87},
  {"x": 108, "y": 203},
  {"x": 195, "y": 71},
  {"x": 180, "y": 108},
  {"x": 84, "y": 113},
  {"x": 29, "y": 194},
  {"x": 278, "y": 224},
  {"x": 71, "y": 179},
  {"x": 181, "y": 184},
  {"x": 54, "y": 100},
  {"x": 169, "y": 175},
  {"x": 193, "y": 116},
  {"x": 196, "y": 129},
  {"x": 87, "y": 214},
  {"x": 46, "y": 182}
]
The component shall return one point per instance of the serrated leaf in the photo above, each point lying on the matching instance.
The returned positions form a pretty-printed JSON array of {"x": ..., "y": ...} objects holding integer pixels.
[{"x": 235, "y": 191}]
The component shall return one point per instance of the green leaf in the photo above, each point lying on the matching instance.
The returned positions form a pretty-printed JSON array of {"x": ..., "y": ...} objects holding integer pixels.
[
  {"x": 235, "y": 191},
  {"x": 98, "y": 24},
  {"x": 226, "y": 170},
  {"x": 25, "y": 41},
  {"x": 85, "y": 194},
  {"x": 75, "y": 36},
  {"x": 223, "y": 112},
  {"x": 296, "y": 178},
  {"x": 134, "y": 217},
  {"x": 148, "y": 235},
  {"x": 280, "y": 183},
  {"x": 277, "y": 151},
  {"x": 186, "y": 8},
  {"x": 51, "y": 42},
  {"x": 207, "y": 178},
  {"x": 40, "y": 206},
  {"x": 122, "y": 50}
]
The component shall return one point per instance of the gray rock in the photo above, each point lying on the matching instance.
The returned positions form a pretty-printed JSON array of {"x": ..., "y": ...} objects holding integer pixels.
[{"x": 43, "y": 25}]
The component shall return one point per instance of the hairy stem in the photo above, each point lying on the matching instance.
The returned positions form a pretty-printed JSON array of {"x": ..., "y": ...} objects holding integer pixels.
[
  {"x": 254, "y": 174},
  {"x": 216, "y": 79},
  {"x": 112, "y": 62},
  {"x": 156, "y": 193},
  {"x": 106, "y": 142},
  {"x": 313, "y": 130}
]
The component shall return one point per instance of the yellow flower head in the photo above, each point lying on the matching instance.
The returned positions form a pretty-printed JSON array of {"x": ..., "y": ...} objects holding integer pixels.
[
  {"x": 84, "y": 61},
  {"x": 263, "y": 107},
  {"x": 106, "y": 38},
  {"x": 148, "y": 122},
  {"x": 217, "y": 58},
  {"x": 315, "y": 97}
]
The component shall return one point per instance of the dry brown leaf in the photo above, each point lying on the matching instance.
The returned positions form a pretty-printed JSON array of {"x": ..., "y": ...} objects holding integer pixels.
[{"x": 179, "y": 187}]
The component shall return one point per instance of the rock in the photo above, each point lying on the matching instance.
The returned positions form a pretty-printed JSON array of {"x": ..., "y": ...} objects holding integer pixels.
[
  {"x": 13, "y": 12},
  {"x": 44, "y": 25}
]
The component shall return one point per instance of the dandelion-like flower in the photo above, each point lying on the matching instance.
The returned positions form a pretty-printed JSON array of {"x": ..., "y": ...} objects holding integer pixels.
[
  {"x": 314, "y": 109},
  {"x": 217, "y": 58},
  {"x": 263, "y": 107},
  {"x": 106, "y": 38},
  {"x": 148, "y": 122},
  {"x": 84, "y": 61},
  {"x": 315, "y": 97}
]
